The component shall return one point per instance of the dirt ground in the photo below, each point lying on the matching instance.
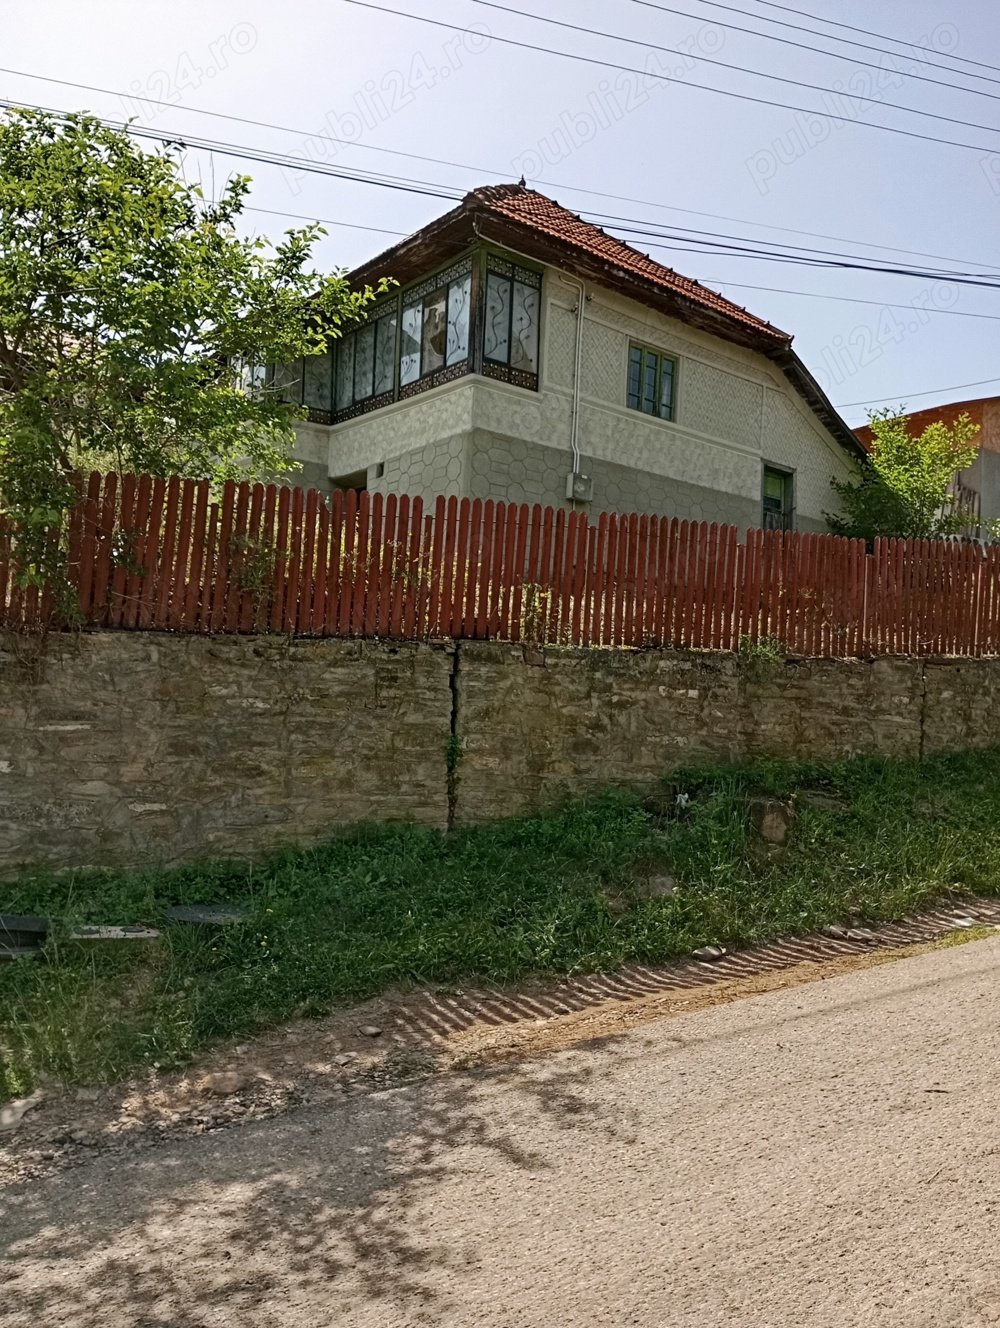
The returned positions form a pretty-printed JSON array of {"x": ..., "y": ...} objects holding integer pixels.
[
  {"x": 819, "y": 1153},
  {"x": 408, "y": 1035}
]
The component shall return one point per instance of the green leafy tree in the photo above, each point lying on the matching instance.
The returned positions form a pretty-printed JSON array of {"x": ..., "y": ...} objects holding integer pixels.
[
  {"x": 135, "y": 321},
  {"x": 905, "y": 491}
]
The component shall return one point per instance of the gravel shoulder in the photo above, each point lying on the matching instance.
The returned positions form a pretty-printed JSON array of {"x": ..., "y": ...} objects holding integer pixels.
[{"x": 822, "y": 1154}]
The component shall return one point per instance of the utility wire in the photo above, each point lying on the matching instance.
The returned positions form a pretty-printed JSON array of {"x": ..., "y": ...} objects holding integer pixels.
[
  {"x": 686, "y": 83},
  {"x": 652, "y": 228},
  {"x": 245, "y": 120},
  {"x": 849, "y": 299},
  {"x": 740, "y": 251},
  {"x": 476, "y": 170},
  {"x": 907, "y": 396},
  {"x": 849, "y": 27},
  {"x": 242, "y": 153},
  {"x": 427, "y": 188},
  {"x": 726, "y": 64},
  {"x": 849, "y": 57},
  {"x": 325, "y": 221},
  {"x": 705, "y": 281}
]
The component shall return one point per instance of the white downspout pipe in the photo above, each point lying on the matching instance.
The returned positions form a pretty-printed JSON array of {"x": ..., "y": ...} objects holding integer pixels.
[{"x": 574, "y": 437}]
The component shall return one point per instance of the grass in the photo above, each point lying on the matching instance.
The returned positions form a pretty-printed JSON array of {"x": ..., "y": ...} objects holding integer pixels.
[{"x": 549, "y": 894}]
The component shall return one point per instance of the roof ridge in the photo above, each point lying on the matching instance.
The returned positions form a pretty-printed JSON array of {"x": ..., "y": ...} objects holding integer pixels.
[{"x": 541, "y": 213}]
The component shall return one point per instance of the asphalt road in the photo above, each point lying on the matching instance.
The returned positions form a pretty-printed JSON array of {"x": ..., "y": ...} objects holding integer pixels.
[{"x": 824, "y": 1155}]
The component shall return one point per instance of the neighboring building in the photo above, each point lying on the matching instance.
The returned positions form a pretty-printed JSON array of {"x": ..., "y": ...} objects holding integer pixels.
[
  {"x": 976, "y": 490},
  {"x": 487, "y": 375}
]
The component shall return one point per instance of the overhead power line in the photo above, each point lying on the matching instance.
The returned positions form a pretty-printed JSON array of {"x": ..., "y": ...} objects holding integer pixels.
[
  {"x": 907, "y": 396},
  {"x": 725, "y": 64},
  {"x": 479, "y": 171},
  {"x": 849, "y": 299},
  {"x": 849, "y": 27},
  {"x": 325, "y": 221},
  {"x": 242, "y": 153},
  {"x": 705, "y": 281},
  {"x": 630, "y": 225},
  {"x": 652, "y": 228},
  {"x": 847, "y": 56},
  {"x": 678, "y": 82},
  {"x": 729, "y": 250}
]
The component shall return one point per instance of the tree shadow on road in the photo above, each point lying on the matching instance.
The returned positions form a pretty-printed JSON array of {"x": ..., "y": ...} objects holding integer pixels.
[{"x": 329, "y": 1215}]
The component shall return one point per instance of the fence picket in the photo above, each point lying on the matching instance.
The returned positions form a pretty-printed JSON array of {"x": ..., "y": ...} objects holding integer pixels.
[
  {"x": 587, "y": 620},
  {"x": 166, "y": 570},
  {"x": 408, "y": 596},
  {"x": 378, "y": 556},
  {"x": 484, "y": 573},
  {"x": 335, "y": 566},
  {"x": 461, "y": 572},
  {"x": 443, "y": 627},
  {"x": 290, "y": 611},
  {"x": 238, "y": 559},
  {"x": 182, "y": 559},
  {"x": 473, "y": 559},
  {"x": 397, "y": 530},
  {"x": 307, "y": 574},
  {"x": 436, "y": 570}
]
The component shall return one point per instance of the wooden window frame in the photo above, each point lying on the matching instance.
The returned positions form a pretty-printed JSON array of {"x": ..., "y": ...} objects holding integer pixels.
[{"x": 661, "y": 357}]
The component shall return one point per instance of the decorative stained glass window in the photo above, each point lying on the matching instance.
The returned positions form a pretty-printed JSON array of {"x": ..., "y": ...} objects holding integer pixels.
[
  {"x": 524, "y": 328},
  {"x": 496, "y": 338},
  {"x": 459, "y": 300},
  {"x": 385, "y": 353},
  {"x": 434, "y": 333},
  {"x": 511, "y": 313},
  {"x": 365, "y": 361},
  {"x": 409, "y": 346},
  {"x": 435, "y": 342},
  {"x": 287, "y": 381},
  {"x": 651, "y": 378},
  {"x": 345, "y": 373},
  {"x": 318, "y": 382}
]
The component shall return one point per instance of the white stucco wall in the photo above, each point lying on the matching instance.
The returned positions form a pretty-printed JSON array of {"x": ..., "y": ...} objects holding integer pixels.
[{"x": 735, "y": 411}]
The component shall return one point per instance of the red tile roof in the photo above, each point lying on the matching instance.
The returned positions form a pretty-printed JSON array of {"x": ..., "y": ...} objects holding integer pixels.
[{"x": 528, "y": 208}]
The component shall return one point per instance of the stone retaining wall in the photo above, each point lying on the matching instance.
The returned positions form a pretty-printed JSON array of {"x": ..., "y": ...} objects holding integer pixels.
[
  {"x": 135, "y": 747},
  {"x": 120, "y": 748}
]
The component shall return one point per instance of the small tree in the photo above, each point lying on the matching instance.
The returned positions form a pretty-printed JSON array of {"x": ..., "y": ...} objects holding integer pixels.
[
  {"x": 905, "y": 491},
  {"x": 135, "y": 322}
]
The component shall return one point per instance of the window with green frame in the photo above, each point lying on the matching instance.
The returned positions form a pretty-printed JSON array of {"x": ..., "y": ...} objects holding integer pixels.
[
  {"x": 778, "y": 499},
  {"x": 652, "y": 382}
]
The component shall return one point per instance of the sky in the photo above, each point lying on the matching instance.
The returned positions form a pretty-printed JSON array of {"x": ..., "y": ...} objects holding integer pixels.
[{"x": 442, "y": 107}]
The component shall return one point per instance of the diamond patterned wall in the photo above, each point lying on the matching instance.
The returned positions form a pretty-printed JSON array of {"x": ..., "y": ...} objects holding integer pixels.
[{"x": 719, "y": 404}]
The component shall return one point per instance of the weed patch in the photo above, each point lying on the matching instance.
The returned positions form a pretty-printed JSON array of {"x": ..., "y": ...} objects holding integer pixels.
[{"x": 558, "y": 893}]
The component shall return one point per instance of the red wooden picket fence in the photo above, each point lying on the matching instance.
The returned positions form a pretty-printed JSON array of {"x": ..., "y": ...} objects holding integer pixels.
[{"x": 155, "y": 554}]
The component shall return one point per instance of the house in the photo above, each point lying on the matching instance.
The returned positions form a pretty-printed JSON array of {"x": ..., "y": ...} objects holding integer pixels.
[
  {"x": 528, "y": 356},
  {"x": 976, "y": 491}
]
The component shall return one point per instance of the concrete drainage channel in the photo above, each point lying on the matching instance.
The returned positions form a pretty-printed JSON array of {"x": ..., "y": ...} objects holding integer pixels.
[{"x": 435, "y": 1016}]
